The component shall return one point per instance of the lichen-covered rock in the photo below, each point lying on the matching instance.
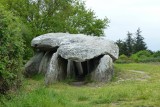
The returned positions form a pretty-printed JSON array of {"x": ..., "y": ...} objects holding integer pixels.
[
  {"x": 91, "y": 48},
  {"x": 104, "y": 70},
  {"x": 76, "y": 47},
  {"x": 52, "y": 41}
]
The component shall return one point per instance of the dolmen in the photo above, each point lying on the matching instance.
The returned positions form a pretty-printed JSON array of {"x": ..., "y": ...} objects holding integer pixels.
[{"x": 61, "y": 56}]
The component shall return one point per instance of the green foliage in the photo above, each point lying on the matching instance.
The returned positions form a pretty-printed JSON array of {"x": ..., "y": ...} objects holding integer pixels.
[
  {"x": 122, "y": 47},
  {"x": 141, "y": 55},
  {"x": 45, "y": 16},
  {"x": 150, "y": 60},
  {"x": 139, "y": 43},
  {"x": 156, "y": 54},
  {"x": 129, "y": 44},
  {"x": 123, "y": 59},
  {"x": 11, "y": 49}
]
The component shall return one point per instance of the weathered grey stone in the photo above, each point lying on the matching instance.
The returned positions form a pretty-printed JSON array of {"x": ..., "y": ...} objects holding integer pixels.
[
  {"x": 52, "y": 41},
  {"x": 103, "y": 72},
  {"x": 76, "y": 47},
  {"x": 43, "y": 67},
  {"x": 57, "y": 69},
  {"x": 89, "y": 49},
  {"x": 32, "y": 66}
]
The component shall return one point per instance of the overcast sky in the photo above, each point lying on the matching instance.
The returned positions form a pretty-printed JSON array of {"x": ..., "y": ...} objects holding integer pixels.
[{"x": 128, "y": 15}]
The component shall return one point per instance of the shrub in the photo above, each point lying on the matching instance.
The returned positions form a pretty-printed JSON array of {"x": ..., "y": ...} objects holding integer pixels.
[
  {"x": 141, "y": 55},
  {"x": 123, "y": 59},
  {"x": 11, "y": 50},
  {"x": 150, "y": 60},
  {"x": 156, "y": 54}
]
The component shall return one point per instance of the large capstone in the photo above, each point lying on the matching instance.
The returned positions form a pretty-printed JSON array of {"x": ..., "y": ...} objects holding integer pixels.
[
  {"x": 74, "y": 56},
  {"x": 76, "y": 46}
]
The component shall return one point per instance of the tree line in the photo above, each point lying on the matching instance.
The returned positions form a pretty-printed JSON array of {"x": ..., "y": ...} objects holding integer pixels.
[
  {"x": 132, "y": 44},
  {"x": 134, "y": 49}
]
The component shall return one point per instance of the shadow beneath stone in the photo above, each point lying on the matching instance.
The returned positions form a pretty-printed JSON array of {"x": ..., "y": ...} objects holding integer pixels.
[{"x": 78, "y": 83}]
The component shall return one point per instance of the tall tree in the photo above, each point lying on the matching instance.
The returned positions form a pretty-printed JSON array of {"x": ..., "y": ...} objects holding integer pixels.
[
  {"x": 45, "y": 16},
  {"x": 126, "y": 47},
  {"x": 139, "y": 42},
  {"x": 129, "y": 44},
  {"x": 122, "y": 47}
]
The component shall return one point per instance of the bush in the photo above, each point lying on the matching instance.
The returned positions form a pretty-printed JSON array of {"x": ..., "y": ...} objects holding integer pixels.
[
  {"x": 141, "y": 56},
  {"x": 11, "y": 50},
  {"x": 123, "y": 59},
  {"x": 156, "y": 54},
  {"x": 150, "y": 60}
]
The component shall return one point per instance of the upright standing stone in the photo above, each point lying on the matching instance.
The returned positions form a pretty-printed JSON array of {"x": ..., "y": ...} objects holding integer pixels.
[
  {"x": 57, "y": 69},
  {"x": 43, "y": 67},
  {"x": 32, "y": 66},
  {"x": 104, "y": 71}
]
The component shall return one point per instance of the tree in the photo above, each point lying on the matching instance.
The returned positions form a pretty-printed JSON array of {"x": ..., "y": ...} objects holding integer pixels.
[
  {"x": 11, "y": 50},
  {"x": 126, "y": 47},
  {"x": 129, "y": 44},
  {"x": 139, "y": 42},
  {"x": 122, "y": 47},
  {"x": 45, "y": 16},
  {"x": 132, "y": 45}
]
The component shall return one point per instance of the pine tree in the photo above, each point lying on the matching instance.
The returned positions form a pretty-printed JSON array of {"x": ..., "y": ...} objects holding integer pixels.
[
  {"x": 122, "y": 47},
  {"x": 129, "y": 44},
  {"x": 139, "y": 42}
]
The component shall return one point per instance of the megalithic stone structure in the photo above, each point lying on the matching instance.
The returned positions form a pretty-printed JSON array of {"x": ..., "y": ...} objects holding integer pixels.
[{"x": 64, "y": 55}]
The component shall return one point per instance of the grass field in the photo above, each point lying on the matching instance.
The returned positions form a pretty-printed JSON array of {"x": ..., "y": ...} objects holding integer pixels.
[{"x": 134, "y": 85}]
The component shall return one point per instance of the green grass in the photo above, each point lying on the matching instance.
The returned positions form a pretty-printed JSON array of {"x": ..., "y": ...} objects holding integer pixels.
[{"x": 134, "y": 85}]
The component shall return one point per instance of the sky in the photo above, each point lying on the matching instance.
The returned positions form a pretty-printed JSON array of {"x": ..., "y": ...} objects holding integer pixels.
[{"x": 129, "y": 15}]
